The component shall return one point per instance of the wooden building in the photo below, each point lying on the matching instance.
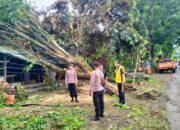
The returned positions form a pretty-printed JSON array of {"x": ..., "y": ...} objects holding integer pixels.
[{"x": 13, "y": 68}]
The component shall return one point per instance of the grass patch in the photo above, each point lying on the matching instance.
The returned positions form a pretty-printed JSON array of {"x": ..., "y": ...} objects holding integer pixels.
[
  {"x": 155, "y": 83},
  {"x": 23, "y": 122},
  {"x": 59, "y": 117},
  {"x": 143, "y": 117},
  {"x": 67, "y": 119}
]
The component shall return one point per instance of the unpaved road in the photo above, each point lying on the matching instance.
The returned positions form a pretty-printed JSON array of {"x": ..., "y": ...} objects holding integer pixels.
[{"x": 173, "y": 105}]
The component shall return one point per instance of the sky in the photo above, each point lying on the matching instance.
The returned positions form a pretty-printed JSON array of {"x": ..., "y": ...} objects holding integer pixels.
[{"x": 41, "y": 4}]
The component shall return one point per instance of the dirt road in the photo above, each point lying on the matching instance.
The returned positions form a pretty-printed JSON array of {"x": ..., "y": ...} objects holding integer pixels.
[{"x": 173, "y": 105}]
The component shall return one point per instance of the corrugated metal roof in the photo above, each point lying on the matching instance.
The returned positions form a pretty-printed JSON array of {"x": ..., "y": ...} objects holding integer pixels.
[{"x": 13, "y": 53}]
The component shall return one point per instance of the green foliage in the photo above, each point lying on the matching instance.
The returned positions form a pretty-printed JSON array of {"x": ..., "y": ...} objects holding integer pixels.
[
  {"x": 54, "y": 115},
  {"x": 101, "y": 52},
  {"x": 11, "y": 11},
  {"x": 125, "y": 60},
  {"x": 2, "y": 101},
  {"x": 140, "y": 79},
  {"x": 129, "y": 80},
  {"x": 37, "y": 123},
  {"x": 110, "y": 68},
  {"x": 118, "y": 39},
  {"x": 7, "y": 123},
  {"x": 148, "y": 78},
  {"x": 23, "y": 122},
  {"x": 143, "y": 117},
  {"x": 18, "y": 106},
  {"x": 20, "y": 92},
  {"x": 157, "y": 21},
  {"x": 3, "y": 104},
  {"x": 69, "y": 119},
  {"x": 59, "y": 117},
  {"x": 73, "y": 121},
  {"x": 29, "y": 67}
]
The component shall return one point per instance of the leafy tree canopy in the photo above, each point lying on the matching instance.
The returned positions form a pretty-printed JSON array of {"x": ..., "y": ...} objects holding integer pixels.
[{"x": 13, "y": 10}]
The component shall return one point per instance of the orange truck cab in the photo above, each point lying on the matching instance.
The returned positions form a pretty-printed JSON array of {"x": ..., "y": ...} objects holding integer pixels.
[{"x": 167, "y": 64}]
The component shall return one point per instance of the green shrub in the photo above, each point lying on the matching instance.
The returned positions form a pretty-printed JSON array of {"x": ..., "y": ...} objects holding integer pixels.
[
  {"x": 20, "y": 93},
  {"x": 54, "y": 115},
  {"x": 129, "y": 80},
  {"x": 139, "y": 79},
  {"x": 68, "y": 119},
  {"x": 6, "y": 123},
  {"x": 73, "y": 121},
  {"x": 59, "y": 117},
  {"x": 143, "y": 117},
  {"x": 23, "y": 122},
  {"x": 37, "y": 123},
  {"x": 110, "y": 68},
  {"x": 147, "y": 78},
  {"x": 2, "y": 101}
]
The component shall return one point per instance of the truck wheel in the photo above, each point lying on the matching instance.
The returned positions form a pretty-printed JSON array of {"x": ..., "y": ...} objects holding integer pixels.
[{"x": 174, "y": 70}]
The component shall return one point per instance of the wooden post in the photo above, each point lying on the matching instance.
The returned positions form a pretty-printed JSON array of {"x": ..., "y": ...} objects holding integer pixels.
[
  {"x": 5, "y": 67},
  {"x": 39, "y": 78},
  {"x": 26, "y": 77}
]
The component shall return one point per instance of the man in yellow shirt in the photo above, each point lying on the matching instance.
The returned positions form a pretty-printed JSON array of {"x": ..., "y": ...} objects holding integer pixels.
[{"x": 120, "y": 80}]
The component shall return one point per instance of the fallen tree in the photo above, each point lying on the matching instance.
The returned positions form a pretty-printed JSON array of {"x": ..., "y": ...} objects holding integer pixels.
[{"x": 28, "y": 38}]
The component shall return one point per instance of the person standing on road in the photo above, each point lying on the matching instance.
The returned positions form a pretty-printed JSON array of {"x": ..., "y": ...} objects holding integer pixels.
[
  {"x": 148, "y": 68},
  {"x": 120, "y": 80},
  {"x": 96, "y": 89},
  {"x": 71, "y": 81}
]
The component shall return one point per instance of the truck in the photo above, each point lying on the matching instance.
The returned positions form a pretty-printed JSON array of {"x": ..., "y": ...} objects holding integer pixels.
[{"x": 166, "y": 65}]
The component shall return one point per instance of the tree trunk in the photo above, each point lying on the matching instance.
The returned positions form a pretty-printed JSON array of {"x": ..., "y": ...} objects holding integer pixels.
[
  {"x": 135, "y": 70},
  {"x": 110, "y": 89},
  {"x": 153, "y": 60}
]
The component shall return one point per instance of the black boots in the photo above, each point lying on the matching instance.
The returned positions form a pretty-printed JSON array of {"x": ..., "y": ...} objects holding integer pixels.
[
  {"x": 102, "y": 115},
  {"x": 95, "y": 118}
]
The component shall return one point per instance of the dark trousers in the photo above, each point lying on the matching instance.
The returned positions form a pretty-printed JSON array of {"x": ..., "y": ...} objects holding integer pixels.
[
  {"x": 98, "y": 99},
  {"x": 72, "y": 90},
  {"x": 121, "y": 93}
]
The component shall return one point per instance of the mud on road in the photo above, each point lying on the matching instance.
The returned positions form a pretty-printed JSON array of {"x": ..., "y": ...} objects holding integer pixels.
[{"x": 173, "y": 105}]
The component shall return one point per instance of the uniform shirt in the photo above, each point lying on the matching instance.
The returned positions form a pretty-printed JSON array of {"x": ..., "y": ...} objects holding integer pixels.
[
  {"x": 95, "y": 82},
  {"x": 119, "y": 73},
  {"x": 71, "y": 77}
]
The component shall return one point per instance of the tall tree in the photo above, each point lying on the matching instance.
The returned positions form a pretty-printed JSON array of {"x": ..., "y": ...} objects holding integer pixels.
[{"x": 158, "y": 22}]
